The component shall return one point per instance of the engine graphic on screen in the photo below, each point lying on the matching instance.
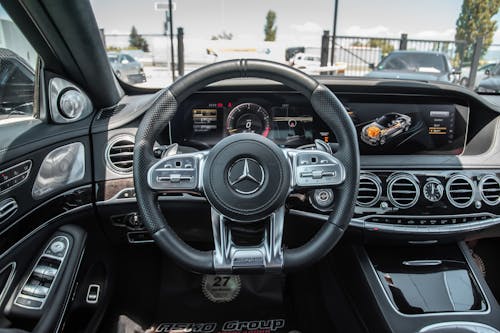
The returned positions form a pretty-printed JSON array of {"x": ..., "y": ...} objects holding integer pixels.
[{"x": 385, "y": 128}]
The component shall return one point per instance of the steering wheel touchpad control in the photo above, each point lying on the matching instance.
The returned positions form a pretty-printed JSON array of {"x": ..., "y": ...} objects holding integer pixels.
[
  {"x": 37, "y": 286},
  {"x": 175, "y": 173},
  {"x": 317, "y": 168}
]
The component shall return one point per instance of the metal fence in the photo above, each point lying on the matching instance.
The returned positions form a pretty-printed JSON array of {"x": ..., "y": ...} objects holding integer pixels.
[
  {"x": 358, "y": 55},
  {"x": 361, "y": 54},
  {"x": 158, "y": 53}
]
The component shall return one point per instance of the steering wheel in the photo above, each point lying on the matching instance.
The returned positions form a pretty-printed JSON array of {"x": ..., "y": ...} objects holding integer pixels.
[{"x": 246, "y": 178}]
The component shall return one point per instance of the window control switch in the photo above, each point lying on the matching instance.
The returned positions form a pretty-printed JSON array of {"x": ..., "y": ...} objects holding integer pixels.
[
  {"x": 41, "y": 292},
  {"x": 29, "y": 289},
  {"x": 45, "y": 272}
]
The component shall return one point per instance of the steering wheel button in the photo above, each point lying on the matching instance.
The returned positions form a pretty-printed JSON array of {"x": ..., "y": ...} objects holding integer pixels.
[
  {"x": 175, "y": 178},
  {"x": 317, "y": 174}
]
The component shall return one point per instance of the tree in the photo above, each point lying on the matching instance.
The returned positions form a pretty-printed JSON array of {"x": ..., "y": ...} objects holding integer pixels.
[
  {"x": 223, "y": 36},
  {"x": 475, "y": 20},
  {"x": 136, "y": 41},
  {"x": 383, "y": 44},
  {"x": 270, "y": 29}
]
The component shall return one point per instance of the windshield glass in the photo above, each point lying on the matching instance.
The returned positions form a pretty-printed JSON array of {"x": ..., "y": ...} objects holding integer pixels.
[
  {"x": 415, "y": 62},
  {"x": 152, "y": 43}
]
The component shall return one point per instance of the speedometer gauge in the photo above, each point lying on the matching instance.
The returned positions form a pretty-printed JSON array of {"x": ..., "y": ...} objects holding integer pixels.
[{"x": 248, "y": 118}]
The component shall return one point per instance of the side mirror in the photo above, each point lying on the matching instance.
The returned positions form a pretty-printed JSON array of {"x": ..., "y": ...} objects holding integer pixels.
[
  {"x": 124, "y": 61},
  {"x": 487, "y": 72},
  {"x": 456, "y": 71},
  {"x": 371, "y": 66}
]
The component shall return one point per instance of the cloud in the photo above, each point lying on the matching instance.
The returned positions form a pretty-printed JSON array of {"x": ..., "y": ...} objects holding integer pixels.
[
  {"x": 376, "y": 31},
  {"x": 308, "y": 27},
  {"x": 448, "y": 34}
]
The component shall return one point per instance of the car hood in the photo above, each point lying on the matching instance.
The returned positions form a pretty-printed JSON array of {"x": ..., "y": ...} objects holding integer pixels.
[
  {"x": 408, "y": 75},
  {"x": 491, "y": 83}
]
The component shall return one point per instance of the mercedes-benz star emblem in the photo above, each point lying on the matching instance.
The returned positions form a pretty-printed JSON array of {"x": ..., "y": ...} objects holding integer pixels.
[{"x": 246, "y": 176}]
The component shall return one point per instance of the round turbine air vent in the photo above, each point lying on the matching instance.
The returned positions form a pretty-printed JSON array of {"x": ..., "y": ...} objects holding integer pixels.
[
  {"x": 489, "y": 188},
  {"x": 460, "y": 191},
  {"x": 403, "y": 190},
  {"x": 370, "y": 189},
  {"x": 120, "y": 153}
]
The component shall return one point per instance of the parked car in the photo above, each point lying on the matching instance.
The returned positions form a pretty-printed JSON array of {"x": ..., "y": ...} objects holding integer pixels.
[
  {"x": 414, "y": 65},
  {"x": 311, "y": 64},
  {"x": 303, "y": 60},
  {"x": 127, "y": 68},
  {"x": 292, "y": 51},
  {"x": 491, "y": 84},
  {"x": 483, "y": 72}
]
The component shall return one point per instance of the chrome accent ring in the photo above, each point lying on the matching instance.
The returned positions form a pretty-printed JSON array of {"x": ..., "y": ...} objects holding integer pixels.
[
  {"x": 405, "y": 176},
  {"x": 469, "y": 181},
  {"x": 378, "y": 184},
  {"x": 481, "y": 190},
  {"x": 109, "y": 163}
]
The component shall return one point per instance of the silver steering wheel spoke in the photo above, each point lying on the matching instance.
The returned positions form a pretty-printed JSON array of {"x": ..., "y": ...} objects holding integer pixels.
[
  {"x": 314, "y": 169},
  {"x": 267, "y": 256},
  {"x": 178, "y": 173}
]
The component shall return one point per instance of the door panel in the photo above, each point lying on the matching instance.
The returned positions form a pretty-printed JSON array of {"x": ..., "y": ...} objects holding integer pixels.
[
  {"x": 29, "y": 222},
  {"x": 28, "y": 310},
  {"x": 24, "y": 234}
]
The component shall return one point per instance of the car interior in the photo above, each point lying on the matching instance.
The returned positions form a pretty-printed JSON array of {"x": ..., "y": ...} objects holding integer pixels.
[{"x": 247, "y": 196}]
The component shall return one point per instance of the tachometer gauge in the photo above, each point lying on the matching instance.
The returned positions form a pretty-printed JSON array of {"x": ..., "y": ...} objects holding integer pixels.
[
  {"x": 433, "y": 190},
  {"x": 248, "y": 118}
]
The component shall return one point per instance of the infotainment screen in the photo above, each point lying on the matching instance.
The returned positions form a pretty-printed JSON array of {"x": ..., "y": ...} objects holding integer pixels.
[
  {"x": 409, "y": 128},
  {"x": 383, "y": 128}
]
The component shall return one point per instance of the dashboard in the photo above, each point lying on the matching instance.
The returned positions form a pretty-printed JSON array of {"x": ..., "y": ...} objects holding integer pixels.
[
  {"x": 398, "y": 127},
  {"x": 430, "y": 153}
]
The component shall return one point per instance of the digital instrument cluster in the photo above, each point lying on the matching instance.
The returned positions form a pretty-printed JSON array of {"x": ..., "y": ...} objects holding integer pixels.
[
  {"x": 383, "y": 128},
  {"x": 286, "y": 125}
]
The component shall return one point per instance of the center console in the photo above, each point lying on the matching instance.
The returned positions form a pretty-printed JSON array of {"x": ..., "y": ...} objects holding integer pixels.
[
  {"x": 424, "y": 281},
  {"x": 422, "y": 289}
]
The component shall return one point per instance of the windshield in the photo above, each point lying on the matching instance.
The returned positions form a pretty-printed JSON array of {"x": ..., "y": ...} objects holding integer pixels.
[
  {"x": 151, "y": 44},
  {"x": 415, "y": 62},
  {"x": 112, "y": 58}
]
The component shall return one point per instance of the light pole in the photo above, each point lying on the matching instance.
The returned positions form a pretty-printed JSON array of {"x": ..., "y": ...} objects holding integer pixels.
[
  {"x": 168, "y": 8},
  {"x": 332, "y": 56},
  {"x": 171, "y": 18}
]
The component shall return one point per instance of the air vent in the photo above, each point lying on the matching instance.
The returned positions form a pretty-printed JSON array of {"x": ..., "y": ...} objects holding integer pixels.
[
  {"x": 460, "y": 191},
  {"x": 370, "y": 189},
  {"x": 120, "y": 153},
  {"x": 403, "y": 190},
  {"x": 489, "y": 188}
]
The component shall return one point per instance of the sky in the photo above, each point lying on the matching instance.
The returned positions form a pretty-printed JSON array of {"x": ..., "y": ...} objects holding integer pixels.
[{"x": 296, "y": 20}]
